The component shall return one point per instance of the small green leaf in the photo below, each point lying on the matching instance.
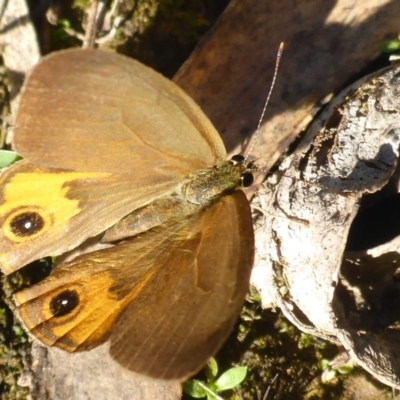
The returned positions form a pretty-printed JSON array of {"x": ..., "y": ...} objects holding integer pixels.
[
  {"x": 328, "y": 375},
  {"x": 64, "y": 23},
  {"x": 192, "y": 388},
  {"x": 211, "y": 370},
  {"x": 390, "y": 46},
  {"x": 323, "y": 364},
  {"x": 346, "y": 368},
  {"x": 8, "y": 157},
  {"x": 305, "y": 340},
  {"x": 18, "y": 331},
  {"x": 231, "y": 378}
]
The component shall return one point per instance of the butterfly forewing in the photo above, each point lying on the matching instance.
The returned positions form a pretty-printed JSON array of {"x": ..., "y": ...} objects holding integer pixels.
[
  {"x": 64, "y": 204},
  {"x": 130, "y": 133},
  {"x": 99, "y": 111}
]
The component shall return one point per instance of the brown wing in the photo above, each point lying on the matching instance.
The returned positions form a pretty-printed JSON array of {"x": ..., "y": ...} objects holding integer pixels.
[
  {"x": 184, "y": 316},
  {"x": 89, "y": 110},
  {"x": 102, "y": 135},
  {"x": 168, "y": 298},
  {"x": 48, "y": 211}
]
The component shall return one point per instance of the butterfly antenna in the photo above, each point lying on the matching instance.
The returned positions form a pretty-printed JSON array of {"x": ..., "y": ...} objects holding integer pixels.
[{"x": 256, "y": 135}]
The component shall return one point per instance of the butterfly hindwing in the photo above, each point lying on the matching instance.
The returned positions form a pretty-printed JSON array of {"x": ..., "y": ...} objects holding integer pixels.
[{"x": 167, "y": 299}]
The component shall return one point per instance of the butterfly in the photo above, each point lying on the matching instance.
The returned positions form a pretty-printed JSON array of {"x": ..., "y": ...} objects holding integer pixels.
[{"x": 114, "y": 151}]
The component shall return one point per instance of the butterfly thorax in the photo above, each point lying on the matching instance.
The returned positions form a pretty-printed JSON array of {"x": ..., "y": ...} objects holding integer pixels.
[
  {"x": 206, "y": 185},
  {"x": 195, "y": 193}
]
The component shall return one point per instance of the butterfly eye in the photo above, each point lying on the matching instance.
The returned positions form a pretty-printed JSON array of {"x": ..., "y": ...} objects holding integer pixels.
[
  {"x": 247, "y": 179},
  {"x": 237, "y": 159},
  {"x": 64, "y": 303},
  {"x": 26, "y": 224}
]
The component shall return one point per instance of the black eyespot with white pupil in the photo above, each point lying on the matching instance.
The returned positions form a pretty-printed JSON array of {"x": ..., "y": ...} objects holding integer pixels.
[
  {"x": 26, "y": 224},
  {"x": 64, "y": 303}
]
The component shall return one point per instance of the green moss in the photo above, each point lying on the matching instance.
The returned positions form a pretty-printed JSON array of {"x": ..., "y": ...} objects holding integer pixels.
[{"x": 13, "y": 344}]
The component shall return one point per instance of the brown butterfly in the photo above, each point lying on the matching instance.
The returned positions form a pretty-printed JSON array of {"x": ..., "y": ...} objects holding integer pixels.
[{"x": 112, "y": 148}]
